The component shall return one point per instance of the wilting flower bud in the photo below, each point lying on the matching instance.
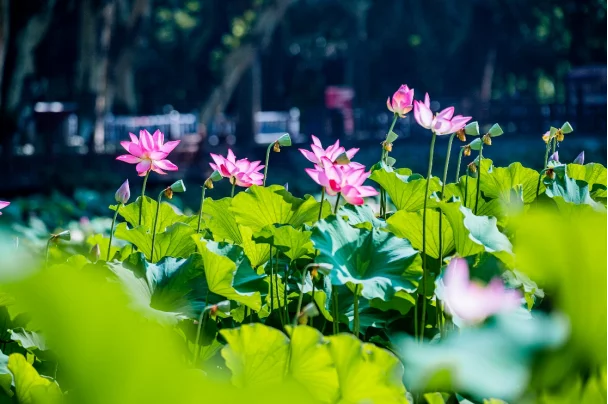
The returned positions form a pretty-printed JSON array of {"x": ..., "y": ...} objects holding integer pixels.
[
  {"x": 550, "y": 173},
  {"x": 580, "y": 159},
  {"x": 546, "y": 137},
  {"x": 123, "y": 193},
  {"x": 342, "y": 159},
  {"x": 467, "y": 150},
  {"x": 168, "y": 193},
  {"x": 208, "y": 183},
  {"x": 387, "y": 146},
  {"x": 472, "y": 167},
  {"x": 284, "y": 140},
  {"x": 178, "y": 186},
  {"x": 95, "y": 253},
  {"x": 276, "y": 147},
  {"x": 487, "y": 139},
  {"x": 559, "y": 135},
  {"x": 461, "y": 135},
  {"x": 554, "y": 157}
]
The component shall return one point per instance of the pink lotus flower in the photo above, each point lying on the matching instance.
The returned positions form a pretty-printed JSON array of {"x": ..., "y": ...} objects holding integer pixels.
[
  {"x": 470, "y": 301},
  {"x": 149, "y": 152},
  {"x": 444, "y": 123},
  {"x": 401, "y": 103},
  {"x": 331, "y": 153},
  {"x": 243, "y": 172},
  {"x": 3, "y": 204},
  {"x": 346, "y": 180}
]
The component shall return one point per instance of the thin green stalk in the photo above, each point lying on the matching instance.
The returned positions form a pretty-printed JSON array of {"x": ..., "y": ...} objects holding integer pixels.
[
  {"x": 197, "y": 346},
  {"x": 271, "y": 281},
  {"x": 276, "y": 285},
  {"x": 48, "y": 247},
  {"x": 232, "y": 192},
  {"x": 300, "y": 298},
  {"x": 424, "y": 260},
  {"x": 384, "y": 156},
  {"x": 160, "y": 197},
  {"x": 270, "y": 146},
  {"x": 540, "y": 177},
  {"x": 458, "y": 164},
  {"x": 200, "y": 213},
  {"x": 478, "y": 179},
  {"x": 337, "y": 203},
  {"x": 286, "y": 275},
  {"x": 553, "y": 147},
  {"x": 466, "y": 186},
  {"x": 335, "y": 314},
  {"x": 416, "y": 317},
  {"x": 356, "y": 310},
  {"x": 143, "y": 195},
  {"x": 118, "y": 206},
  {"x": 321, "y": 205}
]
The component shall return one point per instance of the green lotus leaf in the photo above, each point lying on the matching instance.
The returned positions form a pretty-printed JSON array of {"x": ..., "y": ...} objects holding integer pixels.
[
  {"x": 31, "y": 341},
  {"x": 360, "y": 216},
  {"x": 6, "y": 377},
  {"x": 499, "y": 181},
  {"x": 295, "y": 244},
  {"x": 593, "y": 174},
  {"x": 30, "y": 387},
  {"x": 406, "y": 192},
  {"x": 378, "y": 260},
  {"x": 408, "y": 225},
  {"x": 176, "y": 241},
  {"x": 366, "y": 373},
  {"x": 571, "y": 190},
  {"x": 255, "y": 354},
  {"x": 167, "y": 214},
  {"x": 220, "y": 220},
  {"x": 116, "y": 252},
  {"x": 257, "y": 253},
  {"x": 267, "y": 206}
]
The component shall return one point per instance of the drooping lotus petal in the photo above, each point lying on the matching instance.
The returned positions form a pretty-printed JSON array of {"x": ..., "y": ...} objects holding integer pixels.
[
  {"x": 128, "y": 158},
  {"x": 3, "y": 204}
]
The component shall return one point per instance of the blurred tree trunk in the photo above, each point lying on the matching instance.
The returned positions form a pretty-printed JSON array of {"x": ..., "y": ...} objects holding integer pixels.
[
  {"x": 85, "y": 79},
  {"x": 26, "y": 41},
  {"x": 241, "y": 58},
  {"x": 4, "y": 25}
]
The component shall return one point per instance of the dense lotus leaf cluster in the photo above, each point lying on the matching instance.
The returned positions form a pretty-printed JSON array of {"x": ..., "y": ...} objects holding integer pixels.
[{"x": 436, "y": 293}]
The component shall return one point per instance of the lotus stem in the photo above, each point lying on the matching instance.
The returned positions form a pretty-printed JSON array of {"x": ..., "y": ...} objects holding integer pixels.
[
  {"x": 321, "y": 206},
  {"x": 299, "y": 307},
  {"x": 160, "y": 197},
  {"x": 356, "y": 310},
  {"x": 271, "y": 281},
  {"x": 232, "y": 192},
  {"x": 478, "y": 179},
  {"x": 197, "y": 346},
  {"x": 458, "y": 164},
  {"x": 270, "y": 146},
  {"x": 553, "y": 147},
  {"x": 278, "y": 295},
  {"x": 540, "y": 176},
  {"x": 118, "y": 206},
  {"x": 200, "y": 213},
  {"x": 143, "y": 195},
  {"x": 337, "y": 203},
  {"x": 48, "y": 247},
  {"x": 466, "y": 186},
  {"x": 383, "y": 159},
  {"x": 424, "y": 261},
  {"x": 335, "y": 313}
]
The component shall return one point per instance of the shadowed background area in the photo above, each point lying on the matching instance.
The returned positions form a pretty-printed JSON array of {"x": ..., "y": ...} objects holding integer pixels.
[{"x": 77, "y": 76}]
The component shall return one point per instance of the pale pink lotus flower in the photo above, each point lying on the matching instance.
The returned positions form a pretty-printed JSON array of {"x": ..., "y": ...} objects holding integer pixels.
[
  {"x": 149, "y": 152},
  {"x": 331, "y": 153},
  {"x": 346, "y": 180},
  {"x": 243, "y": 172},
  {"x": 443, "y": 123},
  {"x": 472, "y": 302},
  {"x": 3, "y": 204},
  {"x": 401, "y": 102}
]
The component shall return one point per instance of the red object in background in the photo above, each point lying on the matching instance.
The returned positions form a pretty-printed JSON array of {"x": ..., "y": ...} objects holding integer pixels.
[{"x": 341, "y": 98}]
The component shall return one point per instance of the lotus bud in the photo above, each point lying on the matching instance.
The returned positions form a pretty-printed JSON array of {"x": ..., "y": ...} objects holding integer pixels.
[
  {"x": 546, "y": 137},
  {"x": 460, "y": 134},
  {"x": 123, "y": 193},
  {"x": 495, "y": 130},
  {"x": 567, "y": 128},
  {"x": 471, "y": 129},
  {"x": 580, "y": 159},
  {"x": 178, "y": 186},
  {"x": 284, "y": 140},
  {"x": 95, "y": 253},
  {"x": 223, "y": 306},
  {"x": 476, "y": 144},
  {"x": 64, "y": 235},
  {"x": 487, "y": 139},
  {"x": 276, "y": 147},
  {"x": 466, "y": 150},
  {"x": 554, "y": 157},
  {"x": 342, "y": 159},
  {"x": 472, "y": 167},
  {"x": 215, "y": 176}
]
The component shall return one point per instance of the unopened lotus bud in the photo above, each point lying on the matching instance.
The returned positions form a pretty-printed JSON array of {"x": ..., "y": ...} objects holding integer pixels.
[
  {"x": 208, "y": 183},
  {"x": 461, "y": 135},
  {"x": 472, "y": 167},
  {"x": 284, "y": 140},
  {"x": 580, "y": 159},
  {"x": 178, "y": 186},
  {"x": 64, "y": 235},
  {"x": 342, "y": 159},
  {"x": 276, "y": 147},
  {"x": 310, "y": 310},
  {"x": 487, "y": 139},
  {"x": 546, "y": 137},
  {"x": 215, "y": 176},
  {"x": 123, "y": 193},
  {"x": 466, "y": 151},
  {"x": 387, "y": 146},
  {"x": 472, "y": 129},
  {"x": 554, "y": 157},
  {"x": 95, "y": 253},
  {"x": 223, "y": 306}
]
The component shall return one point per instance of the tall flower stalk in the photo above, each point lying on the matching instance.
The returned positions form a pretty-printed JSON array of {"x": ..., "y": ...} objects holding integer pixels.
[
  {"x": 177, "y": 186},
  {"x": 122, "y": 197},
  {"x": 64, "y": 235},
  {"x": 284, "y": 141},
  {"x": 215, "y": 176},
  {"x": 334, "y": 288}
]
